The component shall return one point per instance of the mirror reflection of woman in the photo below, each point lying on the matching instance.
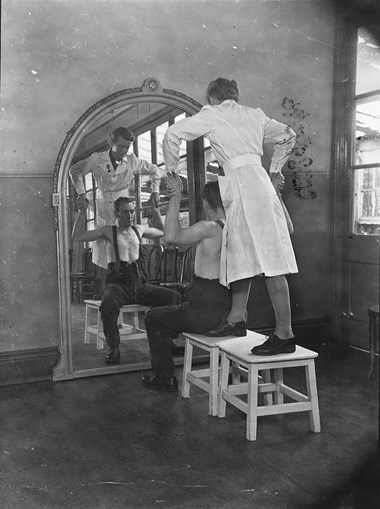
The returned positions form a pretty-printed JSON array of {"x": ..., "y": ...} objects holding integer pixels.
[
  {"x": 257, "y": 240},
  {"x": 113, "y": 171}
]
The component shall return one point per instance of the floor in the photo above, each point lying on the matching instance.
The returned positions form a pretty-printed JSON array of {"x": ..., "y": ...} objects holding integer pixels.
[{"x": 106, "y": 442}]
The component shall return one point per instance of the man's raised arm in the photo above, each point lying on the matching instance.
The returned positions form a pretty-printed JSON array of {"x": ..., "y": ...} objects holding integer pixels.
[
  {"x": 80, "y": 234},
  {"x": 174, "y": 233}
]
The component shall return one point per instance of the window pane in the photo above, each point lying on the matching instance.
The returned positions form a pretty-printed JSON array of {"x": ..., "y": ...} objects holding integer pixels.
[
  {"x": 368, "y": 63},
  {"x": 182, "y": 148},
  {"x": 88, "y": 181},
  {"x": 367, "y": 146},
  {"x": 367, "y": 201},
  {"x": 144, "y": 146},
  {"x": 160, "y": 132}
]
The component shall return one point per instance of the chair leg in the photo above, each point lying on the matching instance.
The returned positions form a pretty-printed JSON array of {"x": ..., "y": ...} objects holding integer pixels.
[
  {"x": 268, "y": 398},
  {"x": 223, "y": 383},
  {"x": 86, "y": 334},
  {"x": 99, "y": 341},
  {"x": 372, "y": 334},
  {"x": 187, "y": 363},
  {"x": 214, "y": 382},
  {"x": 252, "y": 402},
  {"x": 278, "y": 380},
  {"x": 311, "y": 383}
]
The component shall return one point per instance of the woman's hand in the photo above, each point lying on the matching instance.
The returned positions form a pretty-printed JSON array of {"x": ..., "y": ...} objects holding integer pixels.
[
  {"x": 278, "y": 181},
  {"x": 82, "y": 203},
  {"x": 155, "y": 199},
  {"x": 173, "y": 185}
]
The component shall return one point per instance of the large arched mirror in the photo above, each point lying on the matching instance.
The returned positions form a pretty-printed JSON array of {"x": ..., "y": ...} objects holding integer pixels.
[{"x": 147, "y": 111}]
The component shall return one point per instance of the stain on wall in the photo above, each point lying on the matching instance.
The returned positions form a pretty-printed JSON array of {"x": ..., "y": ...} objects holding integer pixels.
[{"x": 300, "y": 161}]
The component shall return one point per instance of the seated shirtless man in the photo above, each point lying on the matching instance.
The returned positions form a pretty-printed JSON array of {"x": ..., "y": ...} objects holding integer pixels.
[
  {"x": 206, "y": 300},
  {"x": 125, "y": 281}
]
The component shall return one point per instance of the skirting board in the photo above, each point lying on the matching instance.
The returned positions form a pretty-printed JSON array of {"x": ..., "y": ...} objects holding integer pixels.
[{"x": 26, "y": 366}]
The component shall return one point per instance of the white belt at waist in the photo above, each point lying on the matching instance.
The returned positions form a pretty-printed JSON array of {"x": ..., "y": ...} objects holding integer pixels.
[
  {"x": 111, "y": 195},
  {"x": 243, "y": 160}
]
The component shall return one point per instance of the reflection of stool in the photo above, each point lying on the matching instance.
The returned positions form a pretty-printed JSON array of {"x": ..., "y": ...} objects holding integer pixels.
[
  {"x": 373, "y": 315},
  {"x": 127, "y": 332},
  {"x": 211, "y": 374},
  {"x": 239, "y": 354}
]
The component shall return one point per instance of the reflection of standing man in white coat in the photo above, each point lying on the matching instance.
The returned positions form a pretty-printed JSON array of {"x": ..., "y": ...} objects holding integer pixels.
[
  {"x": 113, "y": 171},
  {"x": 256, "y": 240}
]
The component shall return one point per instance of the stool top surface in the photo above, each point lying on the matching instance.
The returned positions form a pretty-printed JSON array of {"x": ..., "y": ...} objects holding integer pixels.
[
  {"x": 241, "y": 347},
  {"x": 205, "y": 340},
  {"x": 373, "y": 310},
  {"x": 128, "y": 307}
]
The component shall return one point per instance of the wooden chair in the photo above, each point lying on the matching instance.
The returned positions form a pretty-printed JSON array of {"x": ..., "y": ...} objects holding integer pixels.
[
  {"x": 373, "y": 315},
  {"x": 128, "y": 332},
  {"x": 207, "y": 378},
  {"x": 238, "y": 354}
]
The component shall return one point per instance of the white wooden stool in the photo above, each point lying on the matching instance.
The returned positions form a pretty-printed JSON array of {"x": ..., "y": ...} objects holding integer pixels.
[
  {"x": 208, "y": 379},
  {"x": 127, "y": 332},
  {"x": 239, "y": 353}
]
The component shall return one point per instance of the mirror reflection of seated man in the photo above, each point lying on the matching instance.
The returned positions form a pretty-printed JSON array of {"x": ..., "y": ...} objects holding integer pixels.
[
  {"x": 206, "y": 300},
  {"x": 113, "y": 171},
  {"x": 125, "y": 280}
]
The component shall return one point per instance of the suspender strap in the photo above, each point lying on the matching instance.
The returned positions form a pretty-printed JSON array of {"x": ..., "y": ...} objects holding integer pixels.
[
  {"x": 220, "y": 223},
  {"x": 115, "y": 244},
  {"x": 137, "y": 233}
]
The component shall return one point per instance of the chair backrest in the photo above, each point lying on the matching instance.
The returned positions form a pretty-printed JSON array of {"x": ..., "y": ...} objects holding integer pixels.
[
  {"x": 169, "y": 271},
  {"x": 187, "y": 268}
]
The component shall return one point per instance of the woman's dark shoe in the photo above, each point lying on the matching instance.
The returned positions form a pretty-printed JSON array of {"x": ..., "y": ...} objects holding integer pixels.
[
  {"x": 274, "y": 345},
  {"x": 158, "y": 382},
  {"x": 228, "y": 329},
  {"x": 113, "y": 355},
  {"x": 177, "y": 350}
]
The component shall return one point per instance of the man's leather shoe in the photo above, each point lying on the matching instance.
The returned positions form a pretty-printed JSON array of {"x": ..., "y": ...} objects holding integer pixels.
[
  {"x": 274, "y": 345},
  {"x": 159, "y": 382},
  {"x": 228, "y": 329},
  {"x": 113, "y": 355},
  {"x": 177, "y": 350}
]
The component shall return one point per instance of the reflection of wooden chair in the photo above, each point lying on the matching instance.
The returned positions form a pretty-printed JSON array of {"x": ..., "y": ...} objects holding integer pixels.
[
  {"x": 373, "y": 315},
  {"x": 187, "y": 266},
  {"x": 128, "y": 332}
]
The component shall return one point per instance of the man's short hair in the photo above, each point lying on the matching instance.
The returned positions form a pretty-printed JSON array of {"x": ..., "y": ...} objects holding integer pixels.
[
  {"x": 122, "y": 132},
  {"x": 119, "y": 202},
  {"x": 211, "y": 194}
]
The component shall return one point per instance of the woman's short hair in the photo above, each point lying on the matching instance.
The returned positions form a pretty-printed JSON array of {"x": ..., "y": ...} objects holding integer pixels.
[
  {"x": 211, "y": 194},
  {"x": 122, "y": 132},
  {"x": 222, "y": 89},
  {"x": 119, "y": 202}
]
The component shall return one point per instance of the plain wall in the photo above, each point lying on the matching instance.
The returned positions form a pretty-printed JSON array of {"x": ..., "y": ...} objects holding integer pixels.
[{"x": 59, "y": 58}]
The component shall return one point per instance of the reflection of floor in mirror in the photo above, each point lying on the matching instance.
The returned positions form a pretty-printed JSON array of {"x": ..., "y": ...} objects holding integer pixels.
[{"x": 132, "y": 352}]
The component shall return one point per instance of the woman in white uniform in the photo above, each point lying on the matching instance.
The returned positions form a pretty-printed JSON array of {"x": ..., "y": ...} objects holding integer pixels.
[
  {"x": 257, "y": 240},
  {"x": 113, "y": 171}
]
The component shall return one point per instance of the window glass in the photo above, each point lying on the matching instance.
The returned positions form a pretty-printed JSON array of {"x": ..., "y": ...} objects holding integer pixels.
[
  {"x": 367, "y": 63},
  {"x": 144, "y": 146},
  {"x": 367, "y": 201},
  {"x": 160, "y": 132},
  {"x": 367, "y": 146}
]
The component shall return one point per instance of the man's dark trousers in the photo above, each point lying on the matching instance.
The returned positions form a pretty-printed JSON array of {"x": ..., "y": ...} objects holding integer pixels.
[
  {"x": 126, "y": 286},
  {"x": 205, "y": 303}
]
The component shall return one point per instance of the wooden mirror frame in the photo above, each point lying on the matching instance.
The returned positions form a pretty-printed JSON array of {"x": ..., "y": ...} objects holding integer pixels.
[{"x": 150, "y": 91}]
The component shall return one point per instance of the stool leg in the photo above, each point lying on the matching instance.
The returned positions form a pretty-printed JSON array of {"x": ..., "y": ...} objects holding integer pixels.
[
  {"x": 99, "y": 341},
  {"x": 187, "y": 362},
  {"x": 86, "y": 334},
  {"x": 268, "y": 398},
  {"x": 252, "y": 401},
  {"x": 136, "y": 320},
  {"x": 311, "y": 383},
  {"x": 278, "y": 380},
  {"x": 372, "y": 333},
  {"x": 213, "y": 381},
  {"x": 223, "y": 383}
]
